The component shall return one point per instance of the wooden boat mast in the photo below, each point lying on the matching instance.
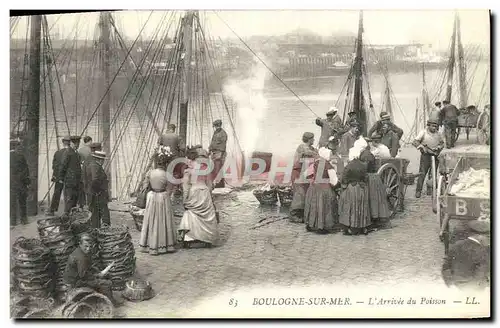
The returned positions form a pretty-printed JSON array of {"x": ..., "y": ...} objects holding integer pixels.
[
  {"x": 358, "y": 103},
  {"x": 451, "y": 62},
  {"x": 104, "y": 113},
  {"x": 461, "y": 67},
  {"x": 33, "y": 113},
  {"x": 186, "y": 75}
]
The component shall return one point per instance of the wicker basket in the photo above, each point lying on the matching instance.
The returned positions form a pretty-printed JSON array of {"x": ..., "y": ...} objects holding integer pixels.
[
  {"x": 266, "y": 197},
  {"x": 409, "y": 178},
  {"x": 138, "y": 290},
  {"x": 285, "y": 195},
  {"x": 138, "y": 218}
]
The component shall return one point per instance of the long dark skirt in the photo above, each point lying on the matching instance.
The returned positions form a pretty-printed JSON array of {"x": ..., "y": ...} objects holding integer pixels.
[
  {"x": 354, "y": 209},
  {"x": 321, "y": 208},
  {"x": 298, "y": 202},
  {"x": 379, "y": 205}
]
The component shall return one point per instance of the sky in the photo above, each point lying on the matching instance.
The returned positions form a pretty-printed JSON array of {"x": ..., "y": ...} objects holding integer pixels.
[{"x": 381, "y": 26}]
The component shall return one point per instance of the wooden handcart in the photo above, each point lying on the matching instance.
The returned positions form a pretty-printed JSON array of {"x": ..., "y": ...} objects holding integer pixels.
[
  {"x": 473, "y": 119},
  {"x": 450, "y": 207},
  {"x": 393, "y": 173}
]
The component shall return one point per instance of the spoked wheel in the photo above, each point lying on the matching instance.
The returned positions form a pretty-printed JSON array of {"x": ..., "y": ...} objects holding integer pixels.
[
  {"x": 439, "y": 203},
  {"x": 457, "y": 133},
  {"x": 434, "y": 182},
  {"x": 391, "y": 179},
  {"x": 483, "y": 128}
]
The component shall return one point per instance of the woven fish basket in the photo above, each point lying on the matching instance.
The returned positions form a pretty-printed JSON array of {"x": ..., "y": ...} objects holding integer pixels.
[
  {"x": 138, "y": 219},
  {"x": 80, "y": 221},
  {"x": 266, "y": 197},
  {"x": 25, "y": 305},
  {"x": 285, "y": 195},
  {"x": 85, "y": 303},
  {"x": 138, "y": 290}
]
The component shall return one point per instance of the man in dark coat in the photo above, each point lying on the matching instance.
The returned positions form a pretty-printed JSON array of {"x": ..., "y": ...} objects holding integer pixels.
[
  {"x": 97, "y": 189},
  {"x": 347, "y": 140},
  {"x": 217, "y": 150},
  {"x": 386, "y": 119},
  {"x": 330, "y": 126},
  {"x": 70, "y": 173},
  {"x": 58, "y": 181},
  {"x": 449, "y": 117},
  {"x": 390, "y": 139},
  {"x": 85, "y": 153},
  {"x": 94, "y": 146},
  {"x": 19, "y": 182},
  {"x": 172, "y": 140},
  {"x": 78, "y": 271}
]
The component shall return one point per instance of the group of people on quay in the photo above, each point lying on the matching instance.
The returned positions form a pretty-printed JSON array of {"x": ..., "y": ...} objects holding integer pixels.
[{"x": 351, "y": 196}]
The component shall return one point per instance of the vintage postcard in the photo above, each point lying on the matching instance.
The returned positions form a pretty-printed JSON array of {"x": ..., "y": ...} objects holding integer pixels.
[{"x": 250, "y": 164}]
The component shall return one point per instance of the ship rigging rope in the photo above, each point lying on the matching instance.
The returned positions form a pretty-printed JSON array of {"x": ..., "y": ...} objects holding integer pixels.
[
  {"x": 207, "y": 51},
  {"x": 131, "y": 111},
  {"x": 125, "y": 96},
  {"x": 162, "y": 88},
  {"x": 112, "y": 81},
  {"x": 54, "y": 59},
  {"x": 275, "y": 75}
]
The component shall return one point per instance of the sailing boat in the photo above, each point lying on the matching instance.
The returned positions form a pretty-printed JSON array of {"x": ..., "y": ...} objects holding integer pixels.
[
  {"x": 126, "y": 120},
  {"x": 470, "y": 117},
  {"x": 357, "y": 97}
]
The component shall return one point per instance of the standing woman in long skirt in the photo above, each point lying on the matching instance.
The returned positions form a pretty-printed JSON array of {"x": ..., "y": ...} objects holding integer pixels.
[
  {"x": 158, "y": 235},
  {"x": 321, "y": 206},
  {"x": 354, "y": 208},
  {"x": 199, "y": 222},
  {"x": 300, "y": 183},
  {"x": 379, "y": 204}
]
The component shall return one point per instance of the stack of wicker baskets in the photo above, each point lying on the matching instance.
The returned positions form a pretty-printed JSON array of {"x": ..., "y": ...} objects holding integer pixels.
[
  {"x": 115, "y": 245},
  {"x": 33, "y": 268},
  {"x": 55, "y": 232}
]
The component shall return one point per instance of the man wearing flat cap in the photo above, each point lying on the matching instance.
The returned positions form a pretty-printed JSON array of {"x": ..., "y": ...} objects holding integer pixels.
[
  {"x": 94, "y": 146},
  {"x": 329, "y": 126},
  {"x": 217, "y": 150},
  {"x": 19, "y": 182},
  {"x": 56, "y": 178},
  {"x": 70, "y": 173},
  {"x": 351, "y": 117},
  {"x": 85, "y": 153},
  {"x": 78, "y": 272},
  {"x": 385, "y": 119},
  {"x": 449, "y": 117},
  {"x": 97, "y": 190},
  {"x": 347, "y": 140}
]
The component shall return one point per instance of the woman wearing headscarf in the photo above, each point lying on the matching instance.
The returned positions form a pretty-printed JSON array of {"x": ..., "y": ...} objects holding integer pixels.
[
  {"x": 354, "y": 208},
  {"x": 158, "y": 229},
  {"x": 199, "y": 222},
  {"x": 304, "y": 157},
  {"x": 321, "y": 206},
  {"x": 378, "y": 149},
  {"x": 379, "y": 205}
]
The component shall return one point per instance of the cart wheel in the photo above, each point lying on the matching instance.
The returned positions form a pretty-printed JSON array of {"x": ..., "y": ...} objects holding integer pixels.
[
  {"x": 483, "y": 128},
  {"x": 434, "y": 182},
  {"x": 389, "y": 175},
  {"x": 457, "y": 133},
  {"x": 439, "y": 205}
]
